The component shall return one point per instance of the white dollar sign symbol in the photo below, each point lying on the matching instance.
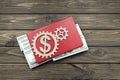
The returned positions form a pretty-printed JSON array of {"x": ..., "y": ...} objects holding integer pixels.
[{"x": 47, "y": 46}]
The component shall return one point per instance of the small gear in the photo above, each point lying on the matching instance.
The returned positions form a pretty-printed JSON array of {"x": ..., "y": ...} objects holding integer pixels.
[
  {"x": 40, "y": 54},
  {"x": 61, "y": 33}
]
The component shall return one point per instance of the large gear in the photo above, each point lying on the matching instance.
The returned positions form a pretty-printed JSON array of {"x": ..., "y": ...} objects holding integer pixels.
[
  {"x": 38, "y": 52},
  {"x": 61, "y": 33}
]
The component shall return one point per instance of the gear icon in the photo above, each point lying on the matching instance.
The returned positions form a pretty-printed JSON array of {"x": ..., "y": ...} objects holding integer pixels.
[
  {"x": 61, "y": 33},
  {"x": 44, "y": 53}
]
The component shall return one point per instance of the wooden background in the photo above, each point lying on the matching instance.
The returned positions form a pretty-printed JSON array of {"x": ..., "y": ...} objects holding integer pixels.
[{"x": 100, "y": 22}]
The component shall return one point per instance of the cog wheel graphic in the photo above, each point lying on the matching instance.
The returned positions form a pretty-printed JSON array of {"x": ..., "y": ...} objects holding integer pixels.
[
  {"x": 61, "y": 33},
  {"x": 40, "y": 54}
]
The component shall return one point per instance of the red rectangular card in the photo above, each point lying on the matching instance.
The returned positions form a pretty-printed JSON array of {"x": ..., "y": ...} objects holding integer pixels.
[{"x": 54, "y": 39}]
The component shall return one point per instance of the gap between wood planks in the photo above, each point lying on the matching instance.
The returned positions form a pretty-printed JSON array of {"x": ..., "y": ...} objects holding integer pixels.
[
  {"x": 87, "y": 22},
  {"x": 93, "y": 55}
]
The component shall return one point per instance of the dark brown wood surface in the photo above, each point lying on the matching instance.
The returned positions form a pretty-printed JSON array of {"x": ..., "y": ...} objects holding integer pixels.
[
  {"x": 99, "y": 21},
  {"x": 60, "y": 6}
]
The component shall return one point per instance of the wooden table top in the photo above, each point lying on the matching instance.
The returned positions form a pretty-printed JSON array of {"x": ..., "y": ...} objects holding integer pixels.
[{"x": 100, "y": 23}]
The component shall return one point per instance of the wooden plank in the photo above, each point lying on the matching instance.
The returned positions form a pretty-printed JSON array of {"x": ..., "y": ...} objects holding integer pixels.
[
  {"x": 93, "y": 37},
  {"x": 60, "y": 6},
  {"x": 93, "y": 55},
  {"x": 86, "y": 21},
  {"x": 60, "y": 71}
]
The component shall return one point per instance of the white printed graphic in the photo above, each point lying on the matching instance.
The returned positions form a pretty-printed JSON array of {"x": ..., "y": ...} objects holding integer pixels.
[
  {"x": 46, "y": 47},
  {"x": 45, "y": 50},
  {"x": 61, "y": 33}
]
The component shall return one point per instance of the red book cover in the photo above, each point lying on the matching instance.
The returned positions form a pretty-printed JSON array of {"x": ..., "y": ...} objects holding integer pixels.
[{"x": 54, "y": 39}]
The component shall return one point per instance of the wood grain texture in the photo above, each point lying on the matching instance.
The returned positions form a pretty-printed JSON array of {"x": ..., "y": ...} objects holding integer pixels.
[
  {"x": 99, "y": 21},
  {"x": 59, "y": 6},
  {"x": 86, "y": 21},
  {"x": 60, "y": 71},
  {"x": 104, "y": 55},
  {"x": 93, "y": 37}
]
